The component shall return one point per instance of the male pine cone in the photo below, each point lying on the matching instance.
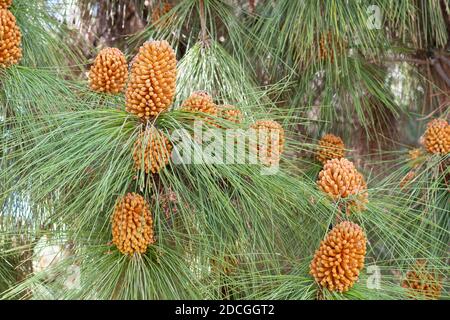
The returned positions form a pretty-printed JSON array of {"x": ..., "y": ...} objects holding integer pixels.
[
  {"x": 340, "y": 257},
  {"x": 151, "y": 87},
  {"x": 132, "y": 227},
  {"x": 109, "y": 72},
  {"x": 437, "y": 137},
  {"x": 200, "y": 102},
  {"x": 153, "y": 149},
  {"x": 340, "y": 179},
  {"x": 330, "y": 147},
  {"x": 10, "y": 39}
]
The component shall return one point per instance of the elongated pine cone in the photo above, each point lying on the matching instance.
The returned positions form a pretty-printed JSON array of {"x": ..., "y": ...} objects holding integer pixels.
[
  {"x": 109, "y": 71},
  {"x": 421, "y": 283},
  {"x": 227, "y": 264},
  {"x": 200, "y": 102},
  {"x": 5, "y": 4},
  {"x": 407, "y": 179},
  {"x": 340, "y": 179},
  {"x": 230, "y": 113},
  {"x": 340, "y": 257},
  {"x": 160, "y": 10},
  {"x": 132, "y": 227},
  {"x": 10, "y": 39},
  {"x": 437, "y": 137},
  {"x": 414, "y": 154},
  {"x": 151, "y": 87},
  {"x": 330, "y": 147},
  {"x": 154, "y": 147},
  {"x": 269, "y": 141}
]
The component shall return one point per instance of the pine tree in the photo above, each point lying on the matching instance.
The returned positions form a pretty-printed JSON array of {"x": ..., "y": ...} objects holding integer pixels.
[{"x": 95, "y": 202}]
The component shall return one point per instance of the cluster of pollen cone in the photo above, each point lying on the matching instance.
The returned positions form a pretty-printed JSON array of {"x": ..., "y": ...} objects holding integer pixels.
[
  {"x": 230, "y": 113},
  {"x": 5, "y": 4},
  {"x": 200, "y": 102},
  {"x": 330, "y": 46},
  {"x": 132, "y": 224},
  {"x": 149, "y": 92},
  {"x": 340, "y": 257},
  {"x": 10, "y": 36}
]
